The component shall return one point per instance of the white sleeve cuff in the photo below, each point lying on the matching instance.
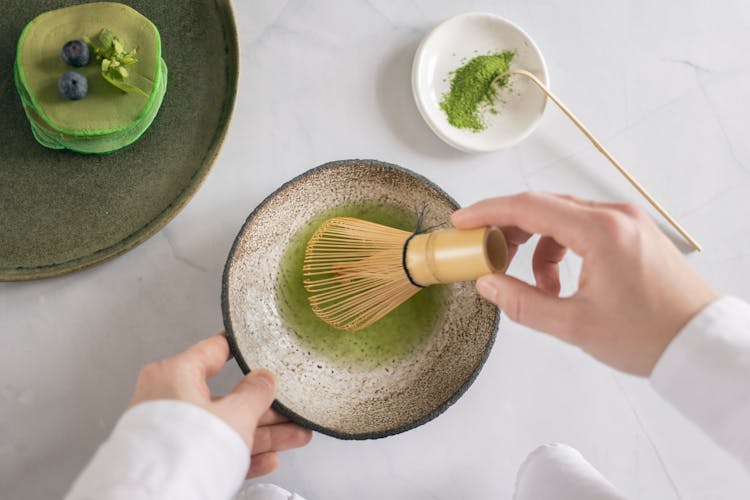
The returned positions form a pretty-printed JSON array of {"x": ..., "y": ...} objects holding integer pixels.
[
  {"x": 266, "y": 492},
  {"x": 557, "y": 471},
  {"x": 167, "y": 450},
  {"x": 705, "y": 373}
]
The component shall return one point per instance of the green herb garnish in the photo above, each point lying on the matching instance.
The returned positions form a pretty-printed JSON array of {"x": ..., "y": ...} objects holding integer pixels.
[{"x": 114, "y": 59}]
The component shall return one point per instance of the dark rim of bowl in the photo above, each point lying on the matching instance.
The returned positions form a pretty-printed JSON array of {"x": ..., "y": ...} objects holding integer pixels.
[{"x": 280, "y": 407}]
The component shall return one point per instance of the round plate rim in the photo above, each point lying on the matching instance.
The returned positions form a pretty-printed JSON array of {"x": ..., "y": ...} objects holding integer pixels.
[
  {"x": 177, "y": 204},
  {"x": 237, "y": 354},
  {"x": 421, "y": 101}
]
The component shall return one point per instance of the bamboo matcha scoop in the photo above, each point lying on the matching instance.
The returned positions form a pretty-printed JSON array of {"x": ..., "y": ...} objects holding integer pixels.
[{"x": 603, "y": 150}]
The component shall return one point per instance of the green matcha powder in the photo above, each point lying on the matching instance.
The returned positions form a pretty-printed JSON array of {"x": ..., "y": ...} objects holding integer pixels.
[{"x": 472, "y": 92}]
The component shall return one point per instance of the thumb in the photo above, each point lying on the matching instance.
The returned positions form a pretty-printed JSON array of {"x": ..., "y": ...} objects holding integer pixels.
[
  {"x": 252, "y": 396},
  {"x": 526, "y": 304}
]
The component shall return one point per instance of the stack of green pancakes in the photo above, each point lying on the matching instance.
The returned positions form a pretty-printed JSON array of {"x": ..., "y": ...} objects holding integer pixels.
[{"x": 108, "y": 118}]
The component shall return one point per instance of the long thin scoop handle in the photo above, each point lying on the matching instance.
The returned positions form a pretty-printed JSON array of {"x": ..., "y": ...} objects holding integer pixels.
[
  {"x": 606, "y": 153},
  {"x": 452, "y": 255}
]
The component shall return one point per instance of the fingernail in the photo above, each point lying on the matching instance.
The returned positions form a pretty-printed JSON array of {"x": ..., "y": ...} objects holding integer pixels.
[
  {"x": 266, "y": 376},
  {"x": 457, "y": 214},
  {"x": 487, "y": 288}
]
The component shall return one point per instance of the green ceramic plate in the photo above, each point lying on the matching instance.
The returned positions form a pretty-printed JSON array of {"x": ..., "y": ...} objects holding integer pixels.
[{"x": 62, "y": 211}]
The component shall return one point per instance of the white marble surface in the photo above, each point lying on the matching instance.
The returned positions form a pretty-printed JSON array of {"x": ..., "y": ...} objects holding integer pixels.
[{"x": 664, "y": 84}]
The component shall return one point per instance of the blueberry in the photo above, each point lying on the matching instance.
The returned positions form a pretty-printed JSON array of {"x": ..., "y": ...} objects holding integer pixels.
[
  {"x": 76, "y": 53},
  {"x": 73, "y": 86}
]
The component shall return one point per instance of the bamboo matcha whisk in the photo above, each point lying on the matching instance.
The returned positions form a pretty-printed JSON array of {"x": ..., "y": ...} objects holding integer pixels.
[{"x": 357, "y": 271}]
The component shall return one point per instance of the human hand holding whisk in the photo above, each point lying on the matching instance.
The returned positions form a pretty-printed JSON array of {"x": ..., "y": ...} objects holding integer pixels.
[{"x": 635, "y": 291}]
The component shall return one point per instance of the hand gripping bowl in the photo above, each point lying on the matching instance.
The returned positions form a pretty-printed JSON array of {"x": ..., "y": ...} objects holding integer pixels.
[{"x": 351, "y": 385}]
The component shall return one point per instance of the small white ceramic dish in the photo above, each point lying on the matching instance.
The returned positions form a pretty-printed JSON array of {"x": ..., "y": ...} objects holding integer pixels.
[{"x": 450, "y": 45}]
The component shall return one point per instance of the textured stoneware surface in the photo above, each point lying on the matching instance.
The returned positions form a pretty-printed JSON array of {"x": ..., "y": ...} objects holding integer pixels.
[
  {"x": 343, "y": 400},
  {"x": 62, "y": 211}
]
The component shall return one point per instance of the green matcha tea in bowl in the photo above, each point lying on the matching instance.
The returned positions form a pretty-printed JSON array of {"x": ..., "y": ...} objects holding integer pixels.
[
  {"x": 400, "y": 372},
  {"x": 91, "y": 77}
]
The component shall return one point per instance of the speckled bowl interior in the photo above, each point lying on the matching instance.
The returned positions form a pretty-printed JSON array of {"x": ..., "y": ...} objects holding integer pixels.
[{"x": 332, "y": 396}]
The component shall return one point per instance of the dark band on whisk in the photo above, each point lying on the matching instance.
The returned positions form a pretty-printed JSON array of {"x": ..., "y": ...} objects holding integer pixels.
[{"x": 403, "y": 261}]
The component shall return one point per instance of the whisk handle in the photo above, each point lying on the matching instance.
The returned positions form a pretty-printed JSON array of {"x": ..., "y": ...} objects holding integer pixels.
[{"x": 452, "y": 255}]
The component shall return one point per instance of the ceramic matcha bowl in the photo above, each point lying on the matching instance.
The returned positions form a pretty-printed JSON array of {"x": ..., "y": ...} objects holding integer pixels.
[{"x": 391, "y": 377}]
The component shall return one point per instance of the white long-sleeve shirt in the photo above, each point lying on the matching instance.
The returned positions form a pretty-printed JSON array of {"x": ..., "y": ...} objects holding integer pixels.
[
  {"x": 174, "y": 450},
  {"x": 705, "y": 373}
]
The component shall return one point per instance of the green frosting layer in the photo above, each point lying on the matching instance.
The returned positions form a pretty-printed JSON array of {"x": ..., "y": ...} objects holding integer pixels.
[
  {"x": 107, "y": 119},
  {"x": 53, "y": 139}
]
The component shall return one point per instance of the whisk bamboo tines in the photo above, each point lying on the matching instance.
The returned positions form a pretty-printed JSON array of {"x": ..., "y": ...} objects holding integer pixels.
[
  {"x": 659, "y": 208},
  {"x": 357, "y": 271}
]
